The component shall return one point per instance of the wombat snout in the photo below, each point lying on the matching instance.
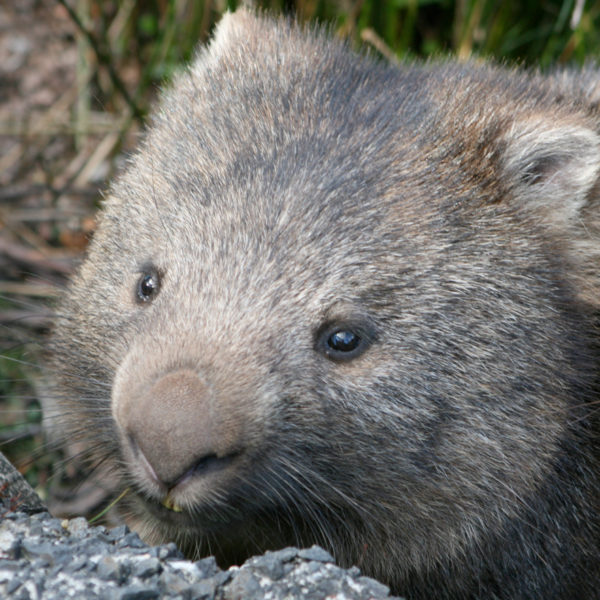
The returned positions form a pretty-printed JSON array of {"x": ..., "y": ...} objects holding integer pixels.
[{"x": 171, "y": 429}]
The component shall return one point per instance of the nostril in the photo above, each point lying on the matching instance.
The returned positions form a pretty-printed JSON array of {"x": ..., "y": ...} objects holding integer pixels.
[{"x": 208, "y": 463}]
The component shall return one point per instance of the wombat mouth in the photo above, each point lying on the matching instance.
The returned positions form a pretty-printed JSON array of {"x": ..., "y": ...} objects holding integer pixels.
[
  {"x": 176, "y": 501},
  {"x": 205, "y": 465},
  {"x": 161, "y": 511},
  {"x": 199, "y": 518}
]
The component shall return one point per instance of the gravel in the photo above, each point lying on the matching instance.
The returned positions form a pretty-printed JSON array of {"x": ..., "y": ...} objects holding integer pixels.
[{"x": 42, "y": 557}]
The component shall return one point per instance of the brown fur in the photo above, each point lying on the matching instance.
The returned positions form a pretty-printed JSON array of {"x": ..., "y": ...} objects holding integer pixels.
[{"x": 445, "y": 214}]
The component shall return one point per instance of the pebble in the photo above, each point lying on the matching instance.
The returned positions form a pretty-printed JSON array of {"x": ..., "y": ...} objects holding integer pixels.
[
  {"x": 316, "y": 553},
  {"x": 42, "y": 558},
  {"x": 146, "y": 568}
]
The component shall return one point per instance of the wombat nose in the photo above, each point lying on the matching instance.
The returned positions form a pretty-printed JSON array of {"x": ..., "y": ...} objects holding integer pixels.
[{"x": 175, "y": 429}]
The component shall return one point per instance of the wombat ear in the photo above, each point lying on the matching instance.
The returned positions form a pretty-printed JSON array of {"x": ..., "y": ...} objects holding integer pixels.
[
  {"x": 552, "y": 168},
  {"x": 241, "y": 25}
]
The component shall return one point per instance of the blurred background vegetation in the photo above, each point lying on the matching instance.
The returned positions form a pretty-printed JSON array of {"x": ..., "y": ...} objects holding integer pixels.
[
  {"x": 160, "y": 35},
  {"x": 77, "y": 79}
]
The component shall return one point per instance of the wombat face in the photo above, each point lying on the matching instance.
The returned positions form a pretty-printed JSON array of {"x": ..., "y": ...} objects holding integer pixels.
[{"x": 333, "y": 301}]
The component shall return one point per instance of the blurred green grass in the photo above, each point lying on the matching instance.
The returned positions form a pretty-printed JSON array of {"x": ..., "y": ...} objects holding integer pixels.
[
  {"x": 534, "y": 33},
  {"x": 163, "y": 34}
]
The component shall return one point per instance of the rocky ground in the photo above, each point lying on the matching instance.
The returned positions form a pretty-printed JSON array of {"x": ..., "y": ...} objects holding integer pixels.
[{"x": 42, "y": 557}]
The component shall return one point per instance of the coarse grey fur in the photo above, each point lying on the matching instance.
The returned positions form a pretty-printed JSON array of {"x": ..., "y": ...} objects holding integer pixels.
[{"x": 445, "y": 215}]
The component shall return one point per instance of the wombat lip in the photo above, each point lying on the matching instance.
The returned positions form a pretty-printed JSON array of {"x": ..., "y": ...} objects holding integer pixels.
[
  {"x": 169, "y": 506},
  {"x": 193, "y": 517}
]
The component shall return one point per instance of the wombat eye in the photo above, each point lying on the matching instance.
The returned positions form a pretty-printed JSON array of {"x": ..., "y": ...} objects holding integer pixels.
[
  {"x": 342, "y": 342},
  {"x": 148, "y": 286}
]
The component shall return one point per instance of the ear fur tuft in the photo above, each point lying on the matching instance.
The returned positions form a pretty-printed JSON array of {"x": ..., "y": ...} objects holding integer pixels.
[
  {"x": 238, "y": 25},
  {"x": 552, "y": 168}
]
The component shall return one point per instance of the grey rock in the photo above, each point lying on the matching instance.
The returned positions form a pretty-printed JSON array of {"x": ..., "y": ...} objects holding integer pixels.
[
  {"x": 137, "y": 592},
  {"x": 168, "y": 551},
  {"x": 31, "y": 548},
  {"x": 132, "y": 540},
  {"x": 77, "y": 527},
  {"x": 79, "y": 562},
  {"x": 43, "y": 558},
  {"x": 207, "y": 566},
  {"x": 316, "y": 553},
  {"x": 270, "y": 564},
  {"x": 373, "y": 588},
  {"x": 118, "y": 533},
  {"x": 109, "y": 568},
  {"x": 204, "y": 590},
  {"x": 173, "y": 583},
  {"x": 15, "y": 492},
  {"x": 222, "y": 577},
  {"x": 53, "y": 526},
  {"x": 13, "y": 585},
  {"x": 10, "y": 543},
  {"x": 146, "y": 568},
  {"x": 245, "y": 584}
]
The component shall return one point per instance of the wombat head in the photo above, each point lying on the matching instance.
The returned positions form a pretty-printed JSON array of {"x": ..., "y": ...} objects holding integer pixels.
[{"x": 340, "y": 302}]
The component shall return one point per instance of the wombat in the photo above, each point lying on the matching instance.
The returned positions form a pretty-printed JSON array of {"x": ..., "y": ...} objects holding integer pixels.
[{"x": 341, "y": 302}]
